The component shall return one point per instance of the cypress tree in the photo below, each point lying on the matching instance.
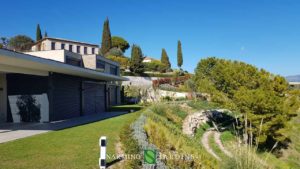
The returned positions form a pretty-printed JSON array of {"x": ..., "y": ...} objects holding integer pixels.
[
  {"x": 136, "y": 61},
  {"x": 38, "y": 33},
  {"x": 165, "y": 59},
  {"x": 179, "y": 55},
  {"x": 106, "y": 38}
]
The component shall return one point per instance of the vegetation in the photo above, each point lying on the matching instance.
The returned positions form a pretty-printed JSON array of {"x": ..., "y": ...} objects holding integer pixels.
[
  {"x": 20, "y": 43},
  {"x": 76, "y": 147},
  {"x": 124, "y": 61},
  {"x": 38, "y": 33},
  {"x": 164, "y": 132},
  {"x": 136, "y": 61},
  {"x": 130, "y": 146},
  {"x": 179, "y": 55},
  {"x": 165, "y": 60},
  {"x": 106, "y": 43},
  {"x": 130, "y": 107},
  {"x": 256, "y": 94},
  {"x": 120, "y": 43},
  {"x": 154, "y": 66}
]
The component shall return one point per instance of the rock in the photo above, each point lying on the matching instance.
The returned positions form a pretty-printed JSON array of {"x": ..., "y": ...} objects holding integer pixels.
[{"x": 193, "y": 121}]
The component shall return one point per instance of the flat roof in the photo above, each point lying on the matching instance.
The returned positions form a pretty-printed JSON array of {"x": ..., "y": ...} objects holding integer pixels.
[
  {"x": 66, "y": 40},
  {"x": 11, "y": 59}
]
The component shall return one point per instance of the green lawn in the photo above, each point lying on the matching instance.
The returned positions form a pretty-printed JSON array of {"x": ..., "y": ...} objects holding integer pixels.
[
  {"x": 127, "y": 107},
  {"x": 75, "y": 147}
]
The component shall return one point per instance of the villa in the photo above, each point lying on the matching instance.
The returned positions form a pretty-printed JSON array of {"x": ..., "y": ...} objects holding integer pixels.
[{"x": 58, "y": 79}]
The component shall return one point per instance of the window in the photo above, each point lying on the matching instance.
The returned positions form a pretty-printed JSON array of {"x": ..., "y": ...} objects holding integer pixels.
[
  {"x": 62, "y": 46},
  {"x": 73, "y": 61},
  {"x": 71, "y": 48},
  {"x": 113, "y": 70},
  {"x": 93, "y": 50},
  {"x": 85, "y": 50},
  {"x": 52, "y": 45},
  {"x": 78, "y": 49},
  {"x": 100, "y": 64}
]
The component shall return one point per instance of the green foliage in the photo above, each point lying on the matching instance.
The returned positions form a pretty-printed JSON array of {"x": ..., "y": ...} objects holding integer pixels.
[
  {"x": 179, "y": 55},
  {"x": 4, "y": 42},
  {"x": 165, "y": 60},
  {"x": 115, "y": 52},
  {"x": 20, "y": 43},
  {"x": 154, "y": 66},
  {"x": 130, "y": 146},
  {"x": 38, "y": 33},
  {"x": 106, "y": 43},
  {"x": 169, "y": 139},
  {"x": 257, "y": 94},
  {"x": 124, "y": 61},
  {"x": 136, "y": 61},
  {"x": 120, "y": 43}
]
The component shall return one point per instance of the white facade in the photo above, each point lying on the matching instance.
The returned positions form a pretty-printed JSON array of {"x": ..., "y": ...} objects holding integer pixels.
[{"x": 57, "y": 44}]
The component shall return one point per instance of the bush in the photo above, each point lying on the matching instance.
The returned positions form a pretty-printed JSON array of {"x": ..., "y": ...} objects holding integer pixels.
[
  {"x": 154, "y": 66},
  {"x": 124, "y": 61}
]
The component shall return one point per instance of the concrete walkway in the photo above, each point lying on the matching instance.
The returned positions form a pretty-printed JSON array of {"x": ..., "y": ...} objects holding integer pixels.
[{"x": 14, "y": 131}]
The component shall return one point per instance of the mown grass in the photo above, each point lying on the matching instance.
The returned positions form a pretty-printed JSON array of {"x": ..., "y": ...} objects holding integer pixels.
[
  {"x": 127, "y": 107},
  {"x": 76, "y": 147}
]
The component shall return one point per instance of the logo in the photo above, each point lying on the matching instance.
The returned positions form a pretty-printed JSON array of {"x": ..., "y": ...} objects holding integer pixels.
[{"x": 150, "y": 156}]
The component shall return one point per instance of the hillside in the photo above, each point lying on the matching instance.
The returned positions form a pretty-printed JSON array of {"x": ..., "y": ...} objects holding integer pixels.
[{"x": 295, "y": 78}]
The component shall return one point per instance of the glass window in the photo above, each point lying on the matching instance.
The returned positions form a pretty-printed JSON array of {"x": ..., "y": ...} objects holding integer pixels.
[
  {"x": 73, "y": 61},
  {"x": 113, "y": 70},
  {"x": 70, "y": 48},
  {"x": 93, "y": 50},
  {"x": 62, "y": 46},
  {"x": 78, "y": 49},
  {"x": 100, "y": 64},
  {"x": 52, "y": 45},
  {"x": 85, "y": 50}
]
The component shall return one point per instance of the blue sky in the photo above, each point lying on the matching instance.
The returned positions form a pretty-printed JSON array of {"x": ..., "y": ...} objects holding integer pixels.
[{"x": 265, "y": 33}]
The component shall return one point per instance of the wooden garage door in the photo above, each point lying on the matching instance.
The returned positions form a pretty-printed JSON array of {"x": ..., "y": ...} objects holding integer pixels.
[{"x": 93, "y": 98}]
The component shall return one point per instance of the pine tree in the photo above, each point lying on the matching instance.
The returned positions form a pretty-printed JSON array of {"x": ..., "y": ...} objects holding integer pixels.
[
  {"x": 179, "y": 55},
  {"x": 136, "y": 62},
  {"x": 106, "y": 38},
  {"x": 165, "y": 60},
  {"x": 38, "y": 33}
]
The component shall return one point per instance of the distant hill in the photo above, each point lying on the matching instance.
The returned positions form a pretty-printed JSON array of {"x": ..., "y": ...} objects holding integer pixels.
[{"x": 295, "y": 78}]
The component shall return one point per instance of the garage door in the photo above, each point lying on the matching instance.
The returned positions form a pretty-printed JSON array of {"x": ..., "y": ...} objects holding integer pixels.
[
  {"x": 66, "y": 97},
  {"x": 93, "y": 98}
]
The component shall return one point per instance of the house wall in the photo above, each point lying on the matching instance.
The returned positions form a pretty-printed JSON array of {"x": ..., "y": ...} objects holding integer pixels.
[
  {"x": 57, "y": 55},
  {"x": 46, "y": 45},
  {"x": 3, "y": 98},
  {"x": 20, "y": 84}
]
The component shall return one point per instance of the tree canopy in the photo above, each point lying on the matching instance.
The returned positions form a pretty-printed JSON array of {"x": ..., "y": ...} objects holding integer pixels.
[
  {"x": 38, "y": 33},
  {"x": 20, "y": 43},
  {"x": 120, "y": 43},
  {"x": 136, "y": 61},
  {"x": 106, "y": 43},
  {"x": 260, "y": 97},
  {"x": 179, "y": 55},
  {"x": 165, "y": 60}
]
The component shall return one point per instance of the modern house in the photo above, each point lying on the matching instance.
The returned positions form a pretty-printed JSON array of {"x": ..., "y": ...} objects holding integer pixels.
[{"x": 49, "y": 85}]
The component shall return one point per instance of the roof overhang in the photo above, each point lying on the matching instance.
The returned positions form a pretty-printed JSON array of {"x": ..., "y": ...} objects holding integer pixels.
[{"x": 15, "y": 62}]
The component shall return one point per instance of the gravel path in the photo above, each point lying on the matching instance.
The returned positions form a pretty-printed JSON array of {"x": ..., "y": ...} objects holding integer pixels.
[
  {"x": 205, "y": 143},
  {"x": 219, "y": 143}
]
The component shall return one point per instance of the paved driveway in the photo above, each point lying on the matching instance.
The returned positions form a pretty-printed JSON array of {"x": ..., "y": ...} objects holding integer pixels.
[{"x": 13, "y": 131}]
